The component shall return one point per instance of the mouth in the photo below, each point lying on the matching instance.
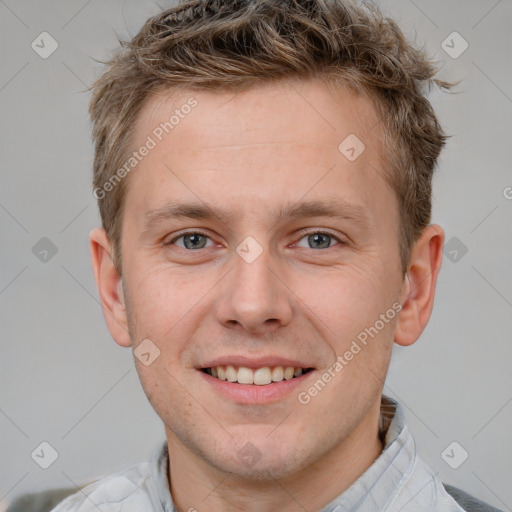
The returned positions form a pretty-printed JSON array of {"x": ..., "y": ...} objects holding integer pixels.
[{"x": 262, "y": 376}]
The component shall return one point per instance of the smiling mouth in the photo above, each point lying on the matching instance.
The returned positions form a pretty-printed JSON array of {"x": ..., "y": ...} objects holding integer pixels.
[{"x": 258, "y": 376}]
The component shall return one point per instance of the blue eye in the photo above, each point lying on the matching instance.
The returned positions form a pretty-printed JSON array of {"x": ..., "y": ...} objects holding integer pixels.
[
  {"x": 191, "y": 240},
  {"x": 322, "y": 239}
]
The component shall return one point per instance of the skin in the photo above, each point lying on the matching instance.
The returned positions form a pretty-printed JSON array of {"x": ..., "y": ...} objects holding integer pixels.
[{"x": 249, "y": 153}]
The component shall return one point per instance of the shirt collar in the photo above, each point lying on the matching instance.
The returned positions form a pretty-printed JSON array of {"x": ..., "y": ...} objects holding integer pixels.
[{"x": 372, "y": 491}]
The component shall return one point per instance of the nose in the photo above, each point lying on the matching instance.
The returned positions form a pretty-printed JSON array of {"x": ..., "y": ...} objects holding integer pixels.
[{"x": 255, "y": 297}]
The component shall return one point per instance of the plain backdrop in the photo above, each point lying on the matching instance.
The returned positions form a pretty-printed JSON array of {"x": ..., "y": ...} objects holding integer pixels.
[{"x": 64, "y": 381}]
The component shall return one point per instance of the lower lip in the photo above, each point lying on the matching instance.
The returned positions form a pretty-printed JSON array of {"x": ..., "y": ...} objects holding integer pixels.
[{"x": 254, "y": 393}]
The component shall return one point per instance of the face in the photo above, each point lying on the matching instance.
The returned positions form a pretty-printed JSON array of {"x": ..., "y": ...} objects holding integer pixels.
[{"x": 250, "y": 239}]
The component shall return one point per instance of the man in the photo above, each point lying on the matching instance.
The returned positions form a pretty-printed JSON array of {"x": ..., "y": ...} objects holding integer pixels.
[{"x": 263, "y": 172}]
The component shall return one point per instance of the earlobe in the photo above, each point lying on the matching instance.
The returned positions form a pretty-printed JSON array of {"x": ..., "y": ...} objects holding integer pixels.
[
  {"x": 109, "y": 284},
  {"x": 419, "y": 285}
]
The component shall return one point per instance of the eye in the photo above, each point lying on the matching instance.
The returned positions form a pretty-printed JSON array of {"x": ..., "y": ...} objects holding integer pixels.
[
  {"x": 191, "y": 240},
  {"x": 319, "y": 240}
]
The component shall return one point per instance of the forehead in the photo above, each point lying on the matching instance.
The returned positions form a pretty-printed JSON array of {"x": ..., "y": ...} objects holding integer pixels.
[
  {"x": 276, "y": 142},
  {"x": 289, "y": 111}
]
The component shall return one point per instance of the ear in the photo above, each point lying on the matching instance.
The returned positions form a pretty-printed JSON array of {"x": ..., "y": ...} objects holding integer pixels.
[
  {"x": 109, "y": 285},
  {"x": 419, "y": 285}
]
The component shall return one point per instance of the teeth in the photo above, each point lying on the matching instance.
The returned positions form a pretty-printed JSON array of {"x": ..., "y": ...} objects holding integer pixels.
[
  {"x": 288, "y": 373},
  {"x": 262, "y": 376},
  {"x": 231, "y": 373},
  {"x": 245, "y": 375},
  {"x": 277, "y": 374},
  {"x": 258, "y": 376}
]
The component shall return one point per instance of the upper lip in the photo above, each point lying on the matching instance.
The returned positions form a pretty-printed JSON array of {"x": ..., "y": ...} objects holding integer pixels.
[{"x": 254, "y": 362}]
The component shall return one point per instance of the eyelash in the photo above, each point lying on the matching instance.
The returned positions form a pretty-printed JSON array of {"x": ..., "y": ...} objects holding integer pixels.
[{"x": 304, "y": 234}]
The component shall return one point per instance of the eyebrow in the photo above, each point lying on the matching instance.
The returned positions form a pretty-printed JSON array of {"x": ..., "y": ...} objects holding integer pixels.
[{"x": 335, "y": 208}]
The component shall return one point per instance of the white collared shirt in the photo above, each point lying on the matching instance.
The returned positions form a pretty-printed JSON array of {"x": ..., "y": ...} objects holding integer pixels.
[{"x": 397, "y": 481}]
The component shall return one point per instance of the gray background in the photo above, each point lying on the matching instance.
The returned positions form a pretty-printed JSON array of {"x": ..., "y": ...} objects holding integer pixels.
[{"x": 63, "y": 379}]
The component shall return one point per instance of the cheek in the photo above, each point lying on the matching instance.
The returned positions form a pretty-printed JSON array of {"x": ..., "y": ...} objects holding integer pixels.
[
  {"x": 345, "y": 300},
  {"x": 349, "y": 305},
  {"x": 170, "y": 400},
  {"x": 161, "y": 299}
]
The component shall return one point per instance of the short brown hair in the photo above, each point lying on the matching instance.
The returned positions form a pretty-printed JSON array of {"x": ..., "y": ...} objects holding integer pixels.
[{"x": 229, "y": 46}]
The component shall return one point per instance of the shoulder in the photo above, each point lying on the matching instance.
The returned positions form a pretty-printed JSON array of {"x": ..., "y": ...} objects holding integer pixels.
[
  {"x": 421, "y": 490},
  {"x": 129, "y": 489},
  {"x": 468, "y": 502}
]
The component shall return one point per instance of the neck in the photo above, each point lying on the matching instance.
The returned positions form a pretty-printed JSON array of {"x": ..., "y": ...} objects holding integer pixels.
[{"x": 197, "y": 486}]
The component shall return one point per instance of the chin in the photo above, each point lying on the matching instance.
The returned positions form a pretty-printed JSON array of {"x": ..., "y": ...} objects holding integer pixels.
[
  {"x": 261, "y": 460},
  {"x": 263, "y": 470}
]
